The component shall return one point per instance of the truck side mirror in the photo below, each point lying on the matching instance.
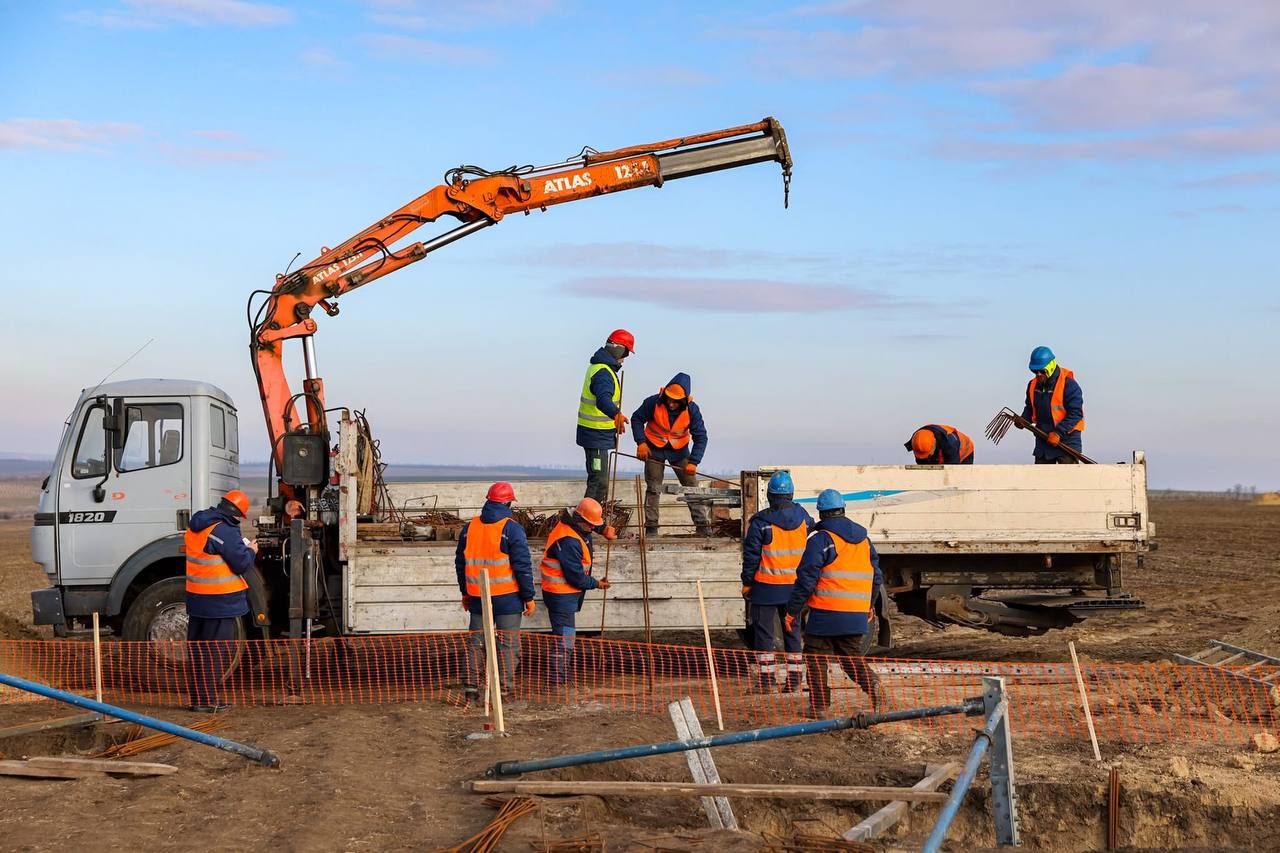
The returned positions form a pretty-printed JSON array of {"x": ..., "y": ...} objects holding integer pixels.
[{"x": 115, "y": 421}]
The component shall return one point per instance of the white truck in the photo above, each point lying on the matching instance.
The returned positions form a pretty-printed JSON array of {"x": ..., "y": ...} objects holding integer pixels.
[{"x": 1017, "y": 549}]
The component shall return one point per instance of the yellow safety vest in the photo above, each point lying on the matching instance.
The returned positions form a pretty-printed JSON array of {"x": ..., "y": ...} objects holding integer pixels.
[{"x": 589, "y": 414}]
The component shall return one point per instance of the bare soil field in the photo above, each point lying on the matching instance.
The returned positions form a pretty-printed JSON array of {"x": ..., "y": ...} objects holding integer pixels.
[{"x": 391, "y": 777}]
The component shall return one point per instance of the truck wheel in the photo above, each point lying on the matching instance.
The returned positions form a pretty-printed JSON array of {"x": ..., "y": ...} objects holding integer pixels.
[{"x": 159, "y": 616}]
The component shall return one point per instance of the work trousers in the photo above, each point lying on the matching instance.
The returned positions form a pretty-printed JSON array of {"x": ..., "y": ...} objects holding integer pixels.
[
  {"x": 507, "y": 632},
  {"x": 849, "y": 656},
  {"x": 764, "y": 619},
  {"x": 653, "y": 473},
  {"x": 597, "y": 473},
  {"x": 209, "y": 656},
  {"x": 563, "y": 628}
]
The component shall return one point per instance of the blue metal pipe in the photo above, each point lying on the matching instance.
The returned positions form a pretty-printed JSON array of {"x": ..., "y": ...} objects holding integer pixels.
[
  {"x": 253, "y": 753},
  {"x": 967, "y": 774},
  {"x": 969, "y": 707}
]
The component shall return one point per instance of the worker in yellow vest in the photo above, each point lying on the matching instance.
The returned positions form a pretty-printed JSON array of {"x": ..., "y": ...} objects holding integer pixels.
[
  {"x": 600, "y": 418},
  {"x": 566, "y": 577}
]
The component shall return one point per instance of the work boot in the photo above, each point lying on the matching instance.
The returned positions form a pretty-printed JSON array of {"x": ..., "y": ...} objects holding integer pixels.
[
  {"x": 215, "y": 708},
  {"x": 761, "y": 687},
  {"x": 705, "y": 531},
  {"x": 794, "y": 684},
  {"x": 879, "y": 696},
  {"x": 471, "y": 695},
  {"x": 650, "y": 531}
]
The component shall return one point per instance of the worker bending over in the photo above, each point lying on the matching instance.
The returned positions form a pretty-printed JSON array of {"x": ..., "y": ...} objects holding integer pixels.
[
  {"x": 669, "y": 430},
  {"x": 939, "y": 444},
  {"x": 1055, "y": 404},
  {"x": 600, "y": 418},
  {"x": 493, "y": 540},
  {"x": 771, "y": 552},
  {"x": 566, "y": 577},
  {"x": 838, "y": 578},
  {"x": 217, "y": 559}
]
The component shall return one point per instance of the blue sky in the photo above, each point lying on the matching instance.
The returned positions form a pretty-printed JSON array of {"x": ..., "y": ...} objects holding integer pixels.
[{"x": 972, "y": 180}]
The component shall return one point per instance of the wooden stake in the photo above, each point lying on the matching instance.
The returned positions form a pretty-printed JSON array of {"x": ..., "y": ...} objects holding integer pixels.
[
  {"x": 711, "y": 660},
  {"x": 97, "y": 659},
  {"x": 695, "y": 789},
  {"x": 613, "y": 487},
  {"x": 1084, "y": 702},
  {"x": 491, "y": 653}
]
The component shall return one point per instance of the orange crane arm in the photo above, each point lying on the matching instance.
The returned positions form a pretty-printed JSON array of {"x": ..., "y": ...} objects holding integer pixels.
[{"x": 477, "y": 202}]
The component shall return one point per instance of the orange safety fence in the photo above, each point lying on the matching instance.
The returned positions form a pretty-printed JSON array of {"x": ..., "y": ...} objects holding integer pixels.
[{"x": 1142, "y": 703}]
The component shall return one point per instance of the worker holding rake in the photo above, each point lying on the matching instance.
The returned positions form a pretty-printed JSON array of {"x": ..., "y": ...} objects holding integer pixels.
[{"x": 1055, "y": 405}]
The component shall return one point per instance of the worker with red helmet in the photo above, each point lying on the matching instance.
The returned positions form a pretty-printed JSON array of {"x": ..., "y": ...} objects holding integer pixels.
[
  {"x": 494, "y": 541},
  {"x": 939, "y": 444},
  {"x": 600, "y": 418},
  {"x": 217, "y": 558},
  {"x": 669, "y": 430},
  {"x": 566, "y": 577}
]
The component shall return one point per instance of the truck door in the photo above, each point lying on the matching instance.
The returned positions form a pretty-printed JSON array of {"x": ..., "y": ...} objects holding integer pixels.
[{"x": 147, "y": 488}]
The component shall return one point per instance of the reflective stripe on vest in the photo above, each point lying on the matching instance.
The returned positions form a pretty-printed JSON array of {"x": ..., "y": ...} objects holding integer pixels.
[
  {"x": 659, "y": 431},
  {"x": 208, "y": 574},
  {"x": 484, "y": 550},
  {"x": 846, "y": 583},
  {"x": 1057, "y": 405},
  {"x": 781, "y": 557},
  {"x": 966, "y": 443},
  {"x": 552, "y": 576},
  {"x": 589, "y": 414}
]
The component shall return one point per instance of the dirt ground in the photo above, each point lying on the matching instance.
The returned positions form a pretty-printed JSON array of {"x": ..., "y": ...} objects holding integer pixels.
[{"x": 392, "y": 777}]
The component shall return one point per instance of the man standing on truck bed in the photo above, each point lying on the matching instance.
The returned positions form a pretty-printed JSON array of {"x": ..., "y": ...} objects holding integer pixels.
[
  {"x": 600, "y": 418},
  {"x": 1055, "y": 404},
  {"x": 939, "y": 444},
  {"x": 837, "y": 581},
  {"x": 217, "y": 559},
  {"x": 494, "y": 541},
  {"x": 771, "y": 552},
  {"x": 663, "y": 427},
  {"x": 566, "y": 577}
]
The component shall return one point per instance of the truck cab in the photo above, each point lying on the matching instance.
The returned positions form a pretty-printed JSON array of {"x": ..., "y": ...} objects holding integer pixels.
[{"x": 136, "y": 459}]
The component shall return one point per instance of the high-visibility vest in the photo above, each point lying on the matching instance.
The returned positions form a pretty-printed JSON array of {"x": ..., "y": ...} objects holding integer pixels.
[
  {"x": 966, "y": 443},
  {"x": 552, "y": 575},
  {"x": 1057, "y": 408},
  {"x": 846, "y": 583},
  {"x": 484, "y": 550},
  {"x": 589, "y": 414},
  {"x": 659, "y": 431},
  {"x": 208, "y": 574},
  {"x": 781, "y": 557}
]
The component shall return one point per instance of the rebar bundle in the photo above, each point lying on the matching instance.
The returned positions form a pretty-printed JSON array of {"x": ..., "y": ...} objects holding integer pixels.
[
  {"x": 510, "y": 810},
  {"x": 135, "y": 742}
]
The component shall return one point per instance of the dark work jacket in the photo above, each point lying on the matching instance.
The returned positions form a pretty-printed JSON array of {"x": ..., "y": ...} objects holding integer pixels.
[
  {"x": 1042, "y": 417},
  {"x": 602, "y": 388},
  {"x": 694, "y": 450},
  {"x": 516, "y": 546},
  {"x": 569, "y": 552},
  {"x": 786, "y": 514},
  {"x": 818, "y": 554},
  {"x": 227, "y": 542}
]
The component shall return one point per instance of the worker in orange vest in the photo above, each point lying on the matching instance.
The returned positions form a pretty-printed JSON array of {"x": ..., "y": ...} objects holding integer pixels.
[
  {"x": 836, "y": 586},
  {"x": 669, "y": 430},
  {"x": 494, "y": 541},
  {"x": 566, "y": 577},
  {"x": 218, "y": 557},
  {"x": 1055, "y": 404},
  {"x": 939, "y": 444}
]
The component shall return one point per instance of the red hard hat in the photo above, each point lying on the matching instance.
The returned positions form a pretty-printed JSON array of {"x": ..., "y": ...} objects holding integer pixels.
[
  {"x": 623, "y": 338},
  {"x": 501, "y": 492},
  {"x": 589, "y": 509},
  {"x": 239, "y": 500}
]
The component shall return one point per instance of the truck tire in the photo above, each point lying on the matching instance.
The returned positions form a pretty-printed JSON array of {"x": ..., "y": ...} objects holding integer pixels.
[{"x": 159, "y": 615}]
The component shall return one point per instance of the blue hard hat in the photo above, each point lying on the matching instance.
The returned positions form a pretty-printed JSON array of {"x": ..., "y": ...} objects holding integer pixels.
[
  {"x": 780, "y": 484},
  {"x": 1040, "y": 358},
  {"x": 830, "y": 499}
]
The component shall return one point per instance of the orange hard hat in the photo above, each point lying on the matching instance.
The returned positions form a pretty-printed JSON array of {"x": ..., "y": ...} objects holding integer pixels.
[
  {"x": 674, "y": 391},
  {"x": 239, "y": 500},
  {"x": 502, "y": 492},
  {"x": 622, "y": 337},
  {"x": 590, "y": 511},
  {"x": 923, "y": 443}
]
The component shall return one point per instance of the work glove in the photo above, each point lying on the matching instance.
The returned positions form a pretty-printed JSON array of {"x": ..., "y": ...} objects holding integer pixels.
[
  {"x": 642, "y": 451},
  {"x": 691, "y": 467},
  {"x": 610, "y": 532},
  {"x": 1019, "y": 423},
  {"x": 529, "y": 607},
  {"x": 789, "y": 622},
  {"x": 603, "y": 583},
  {"x": 1055, "y": 438},
  {"x": 746, "y": 592},
  {"x": 620, "y": 423},
  {"x": 466, "y": 603}
]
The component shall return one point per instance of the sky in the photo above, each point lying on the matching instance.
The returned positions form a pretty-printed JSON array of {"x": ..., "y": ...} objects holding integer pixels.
[{"x": 972, "y": 179}]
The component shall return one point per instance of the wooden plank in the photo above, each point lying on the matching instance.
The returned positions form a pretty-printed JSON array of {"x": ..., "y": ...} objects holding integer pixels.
[
  {"x": 102, "y": 765},
  {"x": 22, "y": 768},
  {"x": 875, "y": 825},
  {"x": 76, "y": 720},
  {"x": 696, "y": 768},
  {"x": 681, "y": 789}
]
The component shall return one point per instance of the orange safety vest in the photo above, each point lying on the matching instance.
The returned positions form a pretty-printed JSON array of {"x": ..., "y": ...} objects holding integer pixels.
[
  {"x": 659, "y": 431},
  {"x": 484, "y": 550},
  {"x": 966, "y": 443},
  {"x": 208, "y": 574},
  {"x": 1056, "y": 406},
  {"x": 781, "y": 557},
  {"x": 552, "y": 576},
  {"x": 846, "y": 583}
]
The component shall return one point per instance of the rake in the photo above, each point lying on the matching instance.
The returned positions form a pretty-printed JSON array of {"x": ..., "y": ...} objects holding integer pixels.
[{"x": 1006, "y": 418}]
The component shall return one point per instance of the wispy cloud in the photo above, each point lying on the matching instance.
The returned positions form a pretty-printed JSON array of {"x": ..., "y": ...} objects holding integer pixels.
[
  {"x": 62, "y": 134},
  {"x": 150, "y": 14},
  {"x": 665, "y": 76},
  {"x": 420, "y": 15},
  {"x": 321, "y": 57},
  {"x": 735, "y": 295},
  {"x": 655, "y": 256},
  {"x": 427, "y": 51},
  {"x": 1211, "y": 210},
  {"x": 1235, "y": 180},
  {"x": 204, "y": 155}
]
